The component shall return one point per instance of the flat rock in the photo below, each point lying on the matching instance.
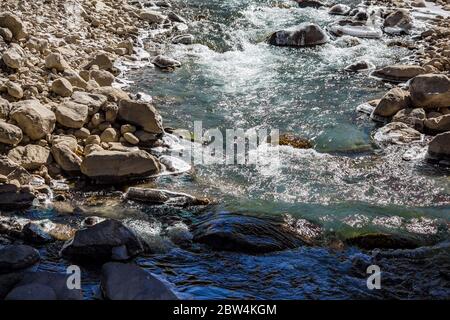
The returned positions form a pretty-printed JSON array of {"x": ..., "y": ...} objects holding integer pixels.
[
  {"x": 160, "y": 196},
  {"x": 239, "y": 233},
  {"x": 121, "y": 281},
  {"x": 117, "y": 166},
  {"x": 398, "y": 73}
]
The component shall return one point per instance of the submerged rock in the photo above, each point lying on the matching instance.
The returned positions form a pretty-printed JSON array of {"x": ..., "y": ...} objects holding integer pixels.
[
  {"x": 289, "y": 139},
  {"x": 117, "y": 166},
  {"x": 384, "y": 241},
  {"x": 17, "y": 257},
  {"x": 399, "y": 72},
  {"x": 160, "y": 196},
  {"x": 303, "y": 35},
  {"x": 430, "y": 91},
  {"x": 44, "y": 286},
  {"x": 122, "y": 281},
  {"x": 247, "y": 234},
  {"x": 104, "y": 241}
]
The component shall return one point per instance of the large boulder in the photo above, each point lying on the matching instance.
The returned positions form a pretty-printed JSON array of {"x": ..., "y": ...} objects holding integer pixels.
[
  {"x": 399, "y": 21},
  {"x": 31, "y": 156},
  {"x": 430, "y": 91},
  {"x": 438, "y": 124},
  {"x": 105, "y": 241},
  {"x": 17, "y": 257},
  {"x": 392, "y": 102},
  {"x": 165, "y": 62},
  {"x": 33, "y": 118},
  {"x": 14, "y": 24},
  {"x": 225, "y": 232},
  {"x": 117, "y": 166},
  {"x": 122, "y": 281},
  {"x": 71, "y": 114},
  {"x": 9, "y": 133},
  {"x": 306, "y": 34},
  {"x": 44, "y": 286},
  {"x": 14, "y": 197},
  {"x": 397, "y": 133},
  {"x": 398, "y": 72},
  {"x": 439, "y": 147},
  {"x": 142, "y": 114},
  {"x": 93, "y": 101}
]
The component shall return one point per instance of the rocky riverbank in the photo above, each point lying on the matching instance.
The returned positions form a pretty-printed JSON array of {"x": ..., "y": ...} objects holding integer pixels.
[{"x": 69, "y": 128}]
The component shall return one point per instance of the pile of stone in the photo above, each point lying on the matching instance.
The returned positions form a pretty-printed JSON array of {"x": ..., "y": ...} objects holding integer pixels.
[{"x": 61, "y": 112}]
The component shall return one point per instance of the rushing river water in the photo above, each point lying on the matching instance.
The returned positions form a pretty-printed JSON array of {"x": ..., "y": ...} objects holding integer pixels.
[{"x": 231, "y": 78}]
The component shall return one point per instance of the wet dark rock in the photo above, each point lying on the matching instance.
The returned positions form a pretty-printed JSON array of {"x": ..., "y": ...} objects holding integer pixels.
[
  {"x": 289, "y": 139},
  {"x": 439, "y": 148},
  {"x": 303, "y": 35},
  {"x": 421, "y": 273},
  {"x": 122, "y": 281},
  {"x": 17, "y": 257},
  {"x": 240, "y": 233},
  {"x": 398, "y": 73},
  {"x": 160, "y": 196},
  {"x": 44, "y": 286},
  {"x": 339, "y": 9},
  {"x": 384, "y": 241},
  {"x": 359, "y": 66},
  {"x": 310, "y": 3},
  {"x": 106, "y": 241}
]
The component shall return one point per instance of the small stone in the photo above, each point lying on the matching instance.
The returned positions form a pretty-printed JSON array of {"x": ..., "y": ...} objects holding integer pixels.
[
  {"x": 62, "y": 87},
  {"x": 131, "y": 138},
  {"x": 109, "y": 135},
  {"x": 127, "y": 128},
  {"x": 14, "y": 90}
]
